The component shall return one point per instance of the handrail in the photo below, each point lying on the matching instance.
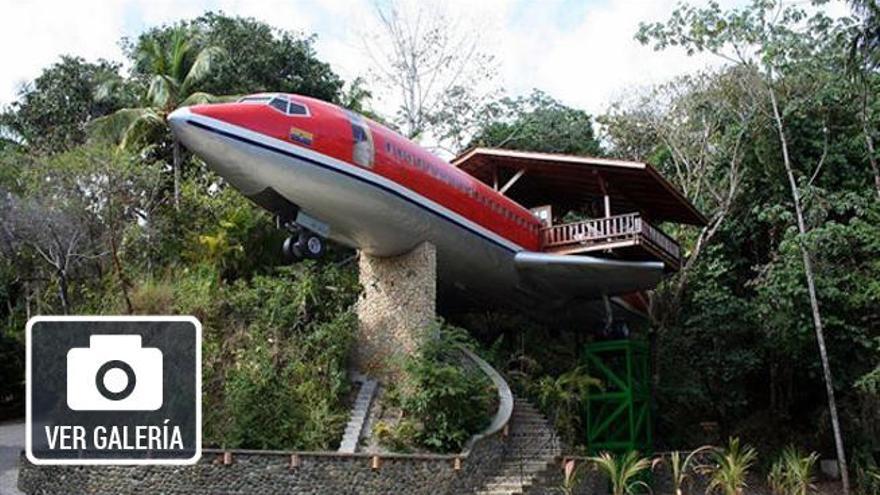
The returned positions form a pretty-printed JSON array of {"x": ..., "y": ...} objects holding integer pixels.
[
  {"x": 505, "y": 400},
  {"x": 596, "y": 231},
  {"x": 662, "y": 239},
  {"x": 591, "y": 229}
]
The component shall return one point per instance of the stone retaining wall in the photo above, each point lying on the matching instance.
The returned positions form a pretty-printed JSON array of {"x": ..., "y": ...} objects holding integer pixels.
[{"x": 255, "y": 472}]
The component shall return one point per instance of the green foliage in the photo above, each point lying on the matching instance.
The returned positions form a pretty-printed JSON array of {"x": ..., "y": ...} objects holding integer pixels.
[
  {"x": 624, "y": 472},
  {"x": 731, "y": 467},
  {"x": 12, "y": 370},
  {"x": 399, "y": 437},
  {"x": 537, "y": 122},
  {"x": 257, "y": 57},
  {"x": 171, "y": 70},
  {"x": 792, "y": 473},
  {"x": 682, "y": 468},
  {"x": 51, "y": 113},
  {"x": 564, "y": 396},
  {"x": 445, "y": 401},
  {"x": 240, "y": 239},
  {"x": 275, "y": 358},
  {"x": 866, "y": 471}
]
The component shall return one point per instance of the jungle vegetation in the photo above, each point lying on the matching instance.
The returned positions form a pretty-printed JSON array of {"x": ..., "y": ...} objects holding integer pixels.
[{"x": 777, "y": 146}]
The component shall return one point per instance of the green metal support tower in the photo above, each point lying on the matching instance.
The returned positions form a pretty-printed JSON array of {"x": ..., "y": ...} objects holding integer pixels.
[{"x": 618, "y": 418}]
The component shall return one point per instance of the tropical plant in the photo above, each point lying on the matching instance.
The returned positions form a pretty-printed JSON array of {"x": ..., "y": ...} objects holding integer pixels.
[
  {"x": 867, "y": 472},
  {"x": 572, "y": 475},
  {"x": 174, "y": 68},
  {"x": 623, "y": 471},
  {"x": 731, "y": 467},
  {"x": 563, "y": 397},
  {"x": 681, "y": 467},
  {"x": 792, "y": 473}
]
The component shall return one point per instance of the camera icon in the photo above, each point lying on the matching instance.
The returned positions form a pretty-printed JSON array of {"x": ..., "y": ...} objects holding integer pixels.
[{"x": 114, "y": 374}]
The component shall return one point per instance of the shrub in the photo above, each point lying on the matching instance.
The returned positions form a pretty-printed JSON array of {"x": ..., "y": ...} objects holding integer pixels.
[
  {"x": 12, "y": 371},
  {"x": 792, "y": 473},
  {"x": 153, "y": 297},
  {"x": 681, "y": 468},
  {"x": 399, "y": 437},
  {"x": 731, "y": 467},
  {"x": 275, "y": 372},
  {"x": 867, "y": 472},
  {"x": 447, "y": 401},
  {"x": 563, "y": 398},
  {"x": 623, "y": 471}
]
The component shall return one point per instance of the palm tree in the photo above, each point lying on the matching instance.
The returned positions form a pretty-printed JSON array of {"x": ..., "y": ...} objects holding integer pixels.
[{"x": 175, "y": 68}]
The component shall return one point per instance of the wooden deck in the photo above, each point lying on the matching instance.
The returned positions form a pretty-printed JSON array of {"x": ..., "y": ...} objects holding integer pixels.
[{"x": 627, "y": 235}]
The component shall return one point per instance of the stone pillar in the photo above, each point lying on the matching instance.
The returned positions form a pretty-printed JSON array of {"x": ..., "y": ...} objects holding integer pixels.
[{"x": 397, "y": 303}]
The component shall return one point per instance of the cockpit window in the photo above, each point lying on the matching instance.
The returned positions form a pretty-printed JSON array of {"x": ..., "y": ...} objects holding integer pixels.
[
  {"x": 254, "y": 99},
  {"x": 282, "y": 104},
  {"x": 297, "y": 109},
  {"x": 279, "y": 104}
]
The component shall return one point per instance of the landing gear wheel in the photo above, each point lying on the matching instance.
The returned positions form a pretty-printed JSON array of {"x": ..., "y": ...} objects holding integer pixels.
[
  {"x": 290, "y": 250},
  {"x": 310, "y": 245}
]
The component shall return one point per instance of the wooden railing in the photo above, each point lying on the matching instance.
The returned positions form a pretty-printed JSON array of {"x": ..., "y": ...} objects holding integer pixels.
[
  {"x": 661, "y": 239},
  {"x": 600, "y": 232}
]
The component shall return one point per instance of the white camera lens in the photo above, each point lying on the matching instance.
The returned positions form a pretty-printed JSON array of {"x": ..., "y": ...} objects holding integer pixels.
[{"x": 111, "y": 371}]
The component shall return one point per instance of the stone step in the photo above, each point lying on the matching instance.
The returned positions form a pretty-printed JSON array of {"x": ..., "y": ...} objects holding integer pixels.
[
  {"x": 530, "y": 451},
  {"x": 529, "y": 421},
  {"x": 525, "y": 470},
  {"x": 355, "y": 426},
  {"x": 507, "y": 484},
  {"x": 531, "y": 455}
]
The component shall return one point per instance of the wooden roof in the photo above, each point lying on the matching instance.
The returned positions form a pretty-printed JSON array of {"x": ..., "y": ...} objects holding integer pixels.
[{"x": 572, "y": 181}]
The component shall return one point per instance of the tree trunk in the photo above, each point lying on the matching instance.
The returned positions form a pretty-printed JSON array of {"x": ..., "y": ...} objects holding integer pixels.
[
  {"x": 176, "y": 164},
  {"x": 123, "y": 281},
  {"x": 866, "y": 121},
  {"x": 811, "y": 287},
  {"x": 62, "y": 291},
  {"x": 27, "y": 299},
  {"x": 869, "y": 141}
]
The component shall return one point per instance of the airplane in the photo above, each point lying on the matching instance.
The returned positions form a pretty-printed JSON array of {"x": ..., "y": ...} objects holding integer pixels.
[{"x": 328, "y": 173}]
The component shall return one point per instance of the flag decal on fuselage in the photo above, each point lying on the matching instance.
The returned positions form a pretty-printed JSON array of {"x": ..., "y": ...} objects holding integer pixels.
[{"x": 301, "y": 136}]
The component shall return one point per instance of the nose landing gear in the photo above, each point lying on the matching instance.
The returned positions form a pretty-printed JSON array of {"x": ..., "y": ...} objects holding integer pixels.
[{"x": 303, "y": 244}]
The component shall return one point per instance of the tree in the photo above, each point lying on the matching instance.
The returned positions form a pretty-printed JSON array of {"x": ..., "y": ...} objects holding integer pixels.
[
  {"x": 261, "y": 58},
  {"x": 172, "y": 69},
  {"x": 536, "y": 122},
  {"x": 59, "y": 238},
  {"x": 52, "y": 112},
  {"x": 763, "y": 39},
  {"x": 694, "y": 128},
  {"x": 863, "y": 62},
  {"x": 430, "y": 60}
]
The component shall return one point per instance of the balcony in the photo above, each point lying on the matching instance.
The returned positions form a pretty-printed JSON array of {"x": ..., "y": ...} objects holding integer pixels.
[{"x": 626, "y": 236}]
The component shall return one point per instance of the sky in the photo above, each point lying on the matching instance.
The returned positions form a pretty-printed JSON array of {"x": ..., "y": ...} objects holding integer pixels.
[{"x": 581, "y": 52}]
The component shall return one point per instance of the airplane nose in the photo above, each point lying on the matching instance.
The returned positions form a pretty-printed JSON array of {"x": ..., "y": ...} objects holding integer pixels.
[
  {"x": 177, "y": 118},
  {"x": 198, "y": 132}
]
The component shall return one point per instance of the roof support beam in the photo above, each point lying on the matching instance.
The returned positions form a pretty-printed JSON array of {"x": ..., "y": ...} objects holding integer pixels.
[{"x": 512, "y": 181}]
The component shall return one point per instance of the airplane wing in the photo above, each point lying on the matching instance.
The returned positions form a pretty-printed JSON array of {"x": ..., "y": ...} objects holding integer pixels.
[{"x": 584, "y": 277}]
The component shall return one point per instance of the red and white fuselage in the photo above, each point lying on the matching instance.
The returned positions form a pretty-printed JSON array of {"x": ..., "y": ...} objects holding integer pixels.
[{"x": 371, "y": 189}]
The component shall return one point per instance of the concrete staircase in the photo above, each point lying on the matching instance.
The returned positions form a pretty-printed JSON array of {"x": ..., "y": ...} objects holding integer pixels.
[
  {"x": 532, "y": 448},
  {"x": 359, "y": 410}
]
